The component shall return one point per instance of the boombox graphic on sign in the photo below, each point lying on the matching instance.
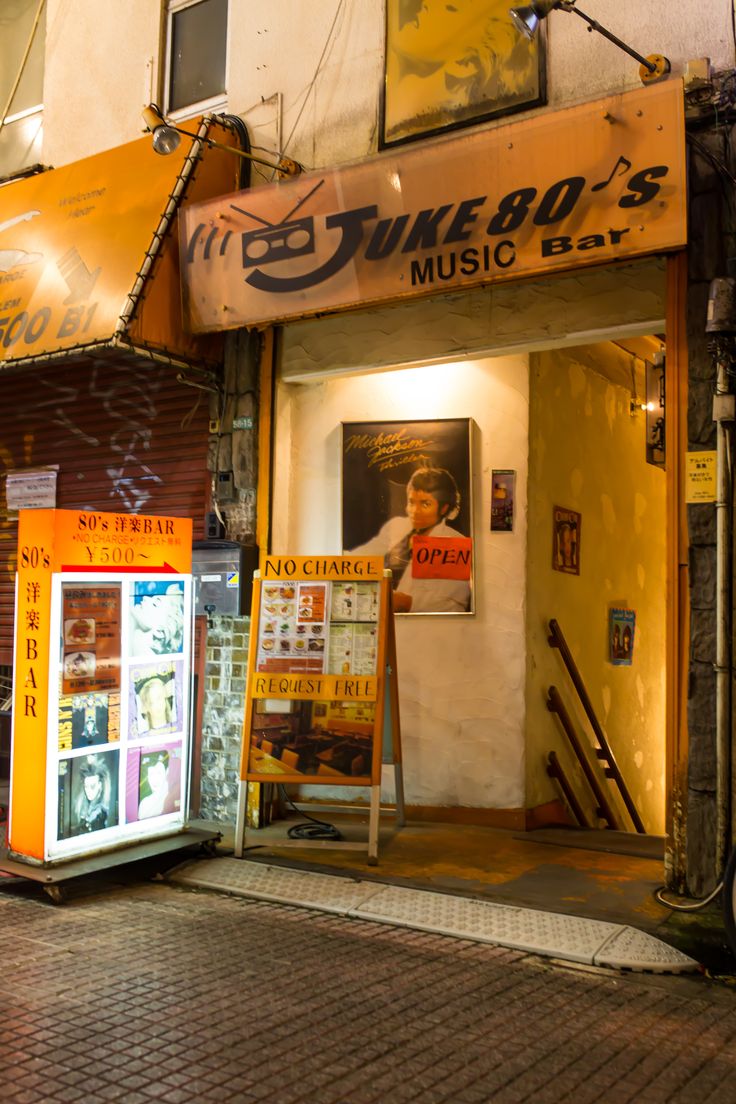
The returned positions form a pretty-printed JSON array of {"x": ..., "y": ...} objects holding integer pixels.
[{"x": 277, "y": 243}]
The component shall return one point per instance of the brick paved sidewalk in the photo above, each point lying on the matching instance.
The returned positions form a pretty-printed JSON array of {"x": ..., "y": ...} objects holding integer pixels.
[{"x": 147, "y": 992}]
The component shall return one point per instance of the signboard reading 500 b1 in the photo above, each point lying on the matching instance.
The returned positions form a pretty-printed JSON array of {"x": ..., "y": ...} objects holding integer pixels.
[{"x": 22, "y": 326}]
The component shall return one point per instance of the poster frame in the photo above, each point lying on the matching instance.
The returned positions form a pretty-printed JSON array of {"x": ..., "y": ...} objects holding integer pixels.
[
  {"x": 373, "y": 494},
  {"x": 434, "y": 117}
]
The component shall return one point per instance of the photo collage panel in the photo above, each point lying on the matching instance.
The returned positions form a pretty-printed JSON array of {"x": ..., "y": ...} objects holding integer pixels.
[{"x": 123, "y": 704}]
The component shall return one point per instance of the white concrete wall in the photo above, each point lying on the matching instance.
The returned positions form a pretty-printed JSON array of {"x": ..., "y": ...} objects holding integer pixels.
[
  {"x": 461, "y": 678},
  {"x": 102, "y": 65},
  {"x": 101, "y": 68}
]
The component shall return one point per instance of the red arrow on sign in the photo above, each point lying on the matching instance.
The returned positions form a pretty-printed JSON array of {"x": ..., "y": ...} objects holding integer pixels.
[{"x": 94, "y": 569}]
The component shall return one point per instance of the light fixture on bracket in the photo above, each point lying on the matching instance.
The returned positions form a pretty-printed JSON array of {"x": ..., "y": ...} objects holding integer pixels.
[
  {"x": 167, "y": 136},
  {"x": 528, "y": 17}
]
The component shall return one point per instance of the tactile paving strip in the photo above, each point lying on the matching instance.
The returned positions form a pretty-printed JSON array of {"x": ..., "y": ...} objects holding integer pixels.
[
  {"x": 631, "y": 949},
  {"x": 575, "y": 938},
  {"x": 547, "y": 933},
  {"x": 276, "y": 883}
]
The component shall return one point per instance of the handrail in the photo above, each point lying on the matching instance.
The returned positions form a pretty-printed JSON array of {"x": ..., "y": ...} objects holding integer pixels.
[
  {"x": 604, "y": 809},
  {"x": 554, "y": 770},
  {"x": 557, "y": 640}
]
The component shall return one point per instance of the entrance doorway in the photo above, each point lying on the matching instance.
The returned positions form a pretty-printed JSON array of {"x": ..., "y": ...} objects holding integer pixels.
[{"x": 596, "y": 564}]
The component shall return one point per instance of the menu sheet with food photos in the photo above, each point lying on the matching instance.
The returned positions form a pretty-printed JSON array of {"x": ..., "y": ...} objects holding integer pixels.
[{"x": 318, "y": 628}]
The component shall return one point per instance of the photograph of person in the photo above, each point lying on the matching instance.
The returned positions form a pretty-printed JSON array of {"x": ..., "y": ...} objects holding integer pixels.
[
  {"x": 157, "y": 618},
  {"x": 89, "y": 720},
  {"x": 159, "y": 783},
  {"x": 154, "y": 784},
  {"x": 402, "y": 480},
  {"x": 88, "y": 794},
  {"x": 155, "y": 699},
  {"x": 432, "y": 499}
]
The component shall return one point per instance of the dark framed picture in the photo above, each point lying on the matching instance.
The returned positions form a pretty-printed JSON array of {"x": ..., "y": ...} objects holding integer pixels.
[
  {"x": 406, "y": 496},
  {"x": 450, "y": 65},
  {"x": 566, "y": 525}
]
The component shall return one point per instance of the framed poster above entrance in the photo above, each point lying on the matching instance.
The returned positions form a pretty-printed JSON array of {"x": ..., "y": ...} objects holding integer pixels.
[
  {"x": 450, "y": 65},
  {"x": 406, "y": 496}
]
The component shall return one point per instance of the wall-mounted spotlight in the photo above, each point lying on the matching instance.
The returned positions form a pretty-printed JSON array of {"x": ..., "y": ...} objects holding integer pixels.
[
  {"x": 167, "y": 136},
  {"x": 528, "y": 17}
]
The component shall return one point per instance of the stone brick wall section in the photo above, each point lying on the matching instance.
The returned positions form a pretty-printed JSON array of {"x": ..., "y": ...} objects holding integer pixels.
[
  {"x": 232, "y": 448},
  {"x": 222, "y": 717},
  {"x": 711, "y": 243}
]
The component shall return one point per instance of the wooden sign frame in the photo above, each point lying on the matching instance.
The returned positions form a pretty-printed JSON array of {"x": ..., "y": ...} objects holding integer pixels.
[{"x": 300, "y": 602}]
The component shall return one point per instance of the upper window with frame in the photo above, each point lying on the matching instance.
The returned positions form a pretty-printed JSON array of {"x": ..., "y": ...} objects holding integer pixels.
[
  {"x": 22, "y": 43},
  {"x": 196, "y": 56}
]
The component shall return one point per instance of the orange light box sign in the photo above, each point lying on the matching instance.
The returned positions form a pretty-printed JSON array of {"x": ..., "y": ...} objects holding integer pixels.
[
  {"x": 73, "y": 240},
  {"x": 597, "y": 182},
  {"x": 91, "y": 541},
  {"x": 31, "y": 681},
  {"x": 73, "y": 541}
]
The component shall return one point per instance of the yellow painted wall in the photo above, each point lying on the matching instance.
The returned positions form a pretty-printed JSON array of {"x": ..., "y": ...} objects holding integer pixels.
[{"x": 587, "y": 453}]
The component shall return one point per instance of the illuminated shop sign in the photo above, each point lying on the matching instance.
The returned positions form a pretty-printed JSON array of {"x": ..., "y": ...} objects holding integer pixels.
[
  {"x": 598, "y": 182},
  {"x": 101, "y": 715}
]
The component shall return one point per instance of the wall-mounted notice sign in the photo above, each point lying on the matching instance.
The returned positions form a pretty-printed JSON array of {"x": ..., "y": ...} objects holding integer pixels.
[
  {"x": 100, "y": 747},
  {"x": 700, "y": 476},
  {"x": 34, "y": 489}
]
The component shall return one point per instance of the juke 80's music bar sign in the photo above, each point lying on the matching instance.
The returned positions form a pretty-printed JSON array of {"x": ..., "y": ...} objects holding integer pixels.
[{"x": 598, "y": 182}]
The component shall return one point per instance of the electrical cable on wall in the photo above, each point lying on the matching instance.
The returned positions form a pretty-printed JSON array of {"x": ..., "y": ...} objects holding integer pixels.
[
  {"x": 318, "y": 70},
  {"x": 314, "y": 829},
  {"x": 237, "y": 124}
]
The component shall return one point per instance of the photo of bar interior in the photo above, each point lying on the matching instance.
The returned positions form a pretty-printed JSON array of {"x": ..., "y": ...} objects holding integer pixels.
[{"x": 313, "y": 739}]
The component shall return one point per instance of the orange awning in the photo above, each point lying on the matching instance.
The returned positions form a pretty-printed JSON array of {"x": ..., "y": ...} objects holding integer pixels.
[{"x": 89, "y": 255}]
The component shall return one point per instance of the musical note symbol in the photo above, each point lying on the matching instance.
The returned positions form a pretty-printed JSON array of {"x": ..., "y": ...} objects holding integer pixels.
[{"x": 621, "y": 161}]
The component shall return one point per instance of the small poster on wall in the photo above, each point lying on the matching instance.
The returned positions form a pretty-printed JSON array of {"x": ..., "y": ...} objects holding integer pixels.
[
  {"x": 621, "y": 624},
  {"x": 502, "y": 501},
  {"x": 566, "y": 526}
]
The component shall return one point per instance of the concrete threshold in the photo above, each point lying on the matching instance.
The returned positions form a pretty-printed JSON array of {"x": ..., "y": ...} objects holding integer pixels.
[{"x": 557, "y": 935}]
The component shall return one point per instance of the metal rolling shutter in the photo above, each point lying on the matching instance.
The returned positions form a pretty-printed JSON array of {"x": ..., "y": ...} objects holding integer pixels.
[{"x": 127, "y": 438}]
